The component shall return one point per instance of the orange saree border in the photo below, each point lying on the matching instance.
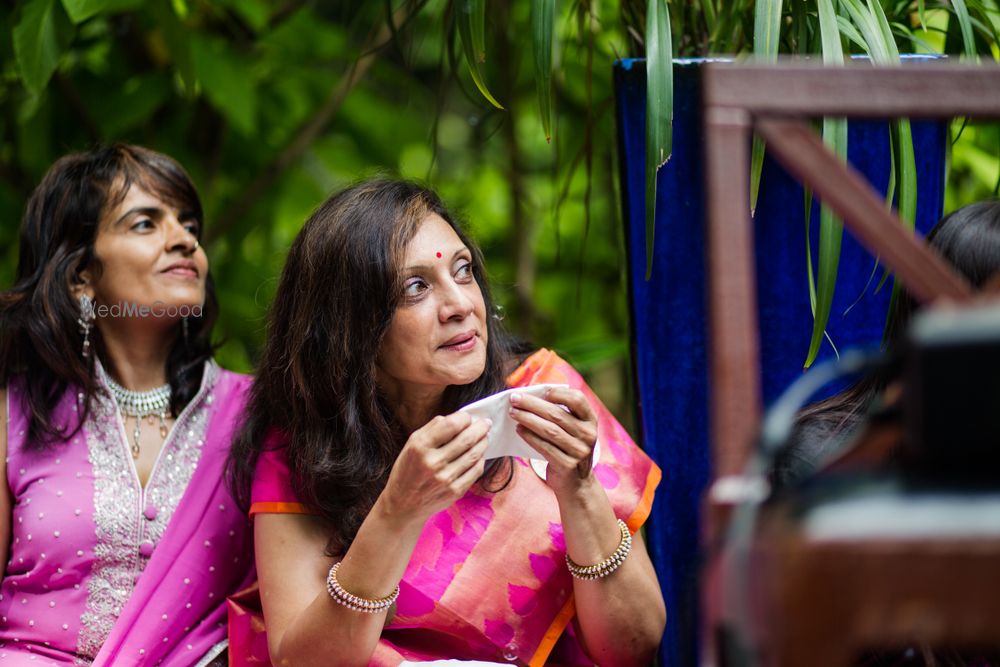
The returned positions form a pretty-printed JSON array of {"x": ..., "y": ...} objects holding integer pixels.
[{"x": 278, "y": 508}]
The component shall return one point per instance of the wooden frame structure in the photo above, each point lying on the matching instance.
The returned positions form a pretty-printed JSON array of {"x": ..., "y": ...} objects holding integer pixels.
[{"x": 777, "y": 101}]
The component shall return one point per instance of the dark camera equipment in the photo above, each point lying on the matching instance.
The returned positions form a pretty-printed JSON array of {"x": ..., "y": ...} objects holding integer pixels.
[{"x": 951, "y": 397}]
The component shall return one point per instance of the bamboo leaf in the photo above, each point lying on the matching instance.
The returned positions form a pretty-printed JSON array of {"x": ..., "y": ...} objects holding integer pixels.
[
  {"x": 831, "y": 229},
  {"x": 711, "y": 17},
  {"x": 466, "y": 13},
  {"x": 478, "y": 29},
  {"x": 851, "y": 33},
  {"x": 81, "y": 10},
  {"x": 965, "y": 25},
  {"x": 767, "y": 29},
  {"x": 766, "y": 37},
  {"x": 810, "y": 273},
  {"x": 870, "y": 33},
  {"x": 916, "y": 42},
  {"x": 922, "y": 14},
  {"x": 907, "y": 174},
  {"x": 35, "y": 46},
  {"x": 659, "y": 109},
  {"x": 907, "y": 171},
  {"x": 756, "y": 168},
  {"x": 990, "y": 27},
  {"x": 542, "y": 12}
]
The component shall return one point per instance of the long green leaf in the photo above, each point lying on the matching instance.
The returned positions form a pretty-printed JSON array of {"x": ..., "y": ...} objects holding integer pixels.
[
  {"x": 542, "y": 13},
  {"x": 916, "y": 42},
  {"x": 867, "y": 25},
  {"x": 851, "y": 33},
  {"x": 810, "y": 273},
  {"x": 831, "y": 230},
  {"x": 877, "y": 32},
  {"x": 711, "y": 17},
  {"x": 904, "y": 137},
  {"x": 907, "y": 173},
  {"x": 35, "y": 46},
  {"x": 965, "y": 25},
  {"x": 922, "y": 14},
  {"x": 81, "y": 10},
  {"x": 478, "y": 28},
  {"x": 659, "y": 109},
  {"x": 466, "y": 13},
  {"x": 766, "y": 37}
]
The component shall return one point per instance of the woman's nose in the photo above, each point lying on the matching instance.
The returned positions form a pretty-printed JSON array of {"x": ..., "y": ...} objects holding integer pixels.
[
  {"x": 456, "y": 303},
  {"x": 180, "y": 237}
]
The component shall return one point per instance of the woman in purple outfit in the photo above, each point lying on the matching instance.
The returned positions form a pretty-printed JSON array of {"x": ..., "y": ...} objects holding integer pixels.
[{"x": 118, "y": 539}]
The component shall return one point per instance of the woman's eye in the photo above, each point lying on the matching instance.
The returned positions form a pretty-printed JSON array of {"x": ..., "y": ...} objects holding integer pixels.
[
  {"x": 464, "y": 271},
  {"x": 414, "y": 288},
  {"x": 192, "y": 228},
  {"x": 143, "y": 224}
]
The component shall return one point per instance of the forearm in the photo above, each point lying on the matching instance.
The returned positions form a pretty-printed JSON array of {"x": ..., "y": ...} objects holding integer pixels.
[
  {"x": 621, "y": 616},
  {"x": 327, "y": 632}
]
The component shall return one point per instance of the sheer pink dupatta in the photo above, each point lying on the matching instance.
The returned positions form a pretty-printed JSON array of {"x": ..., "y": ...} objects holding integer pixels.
[{"x": 177, "y": 612}]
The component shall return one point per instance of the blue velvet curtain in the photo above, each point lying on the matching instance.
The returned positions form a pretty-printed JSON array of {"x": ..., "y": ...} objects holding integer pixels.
[{"x": 668, "y": 312}]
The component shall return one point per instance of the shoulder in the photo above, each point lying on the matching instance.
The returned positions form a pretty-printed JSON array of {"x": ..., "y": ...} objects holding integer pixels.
[
  {"x": 3, "y": 424},
  {"x": 230, "y": 381},
  {"x": 545, "y": 366}
]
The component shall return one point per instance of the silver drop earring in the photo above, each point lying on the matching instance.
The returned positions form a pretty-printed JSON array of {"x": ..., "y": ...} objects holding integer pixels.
[
  {"x": 498, "y": 312},
  {"x": 85, "y": 321}
]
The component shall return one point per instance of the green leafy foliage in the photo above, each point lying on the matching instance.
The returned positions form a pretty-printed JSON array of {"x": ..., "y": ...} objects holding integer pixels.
[
  {"x": 542, "y": 16},
  {"x": 81, "y": 10},
  {"x": 35, "y": 44},
  {"x": 232, "y": 88},
  {"x": 659, "y": 110},
  {"x": 272, "y": 106},
  {"x": 471, "y": 13},
  {"x": 767, "y": 32},
  {"x": 831, "y": 229}
]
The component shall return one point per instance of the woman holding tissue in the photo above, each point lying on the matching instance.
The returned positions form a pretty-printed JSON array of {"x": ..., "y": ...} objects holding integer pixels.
[{"x": 383, "y": 533}]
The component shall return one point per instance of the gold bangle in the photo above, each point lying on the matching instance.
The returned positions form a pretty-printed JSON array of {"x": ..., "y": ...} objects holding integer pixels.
[
  {"x": 356, "y": 602},
  {"x": 609, "y": 564}
]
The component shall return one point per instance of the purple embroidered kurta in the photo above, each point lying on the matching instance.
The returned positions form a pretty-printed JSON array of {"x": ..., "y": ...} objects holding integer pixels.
[{"x": 84, "y": 531}]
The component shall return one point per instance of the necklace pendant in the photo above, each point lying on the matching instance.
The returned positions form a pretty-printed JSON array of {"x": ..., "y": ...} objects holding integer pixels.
[
  {"x": 135, "y": 449},
  {"x": 163, "y": 430},
  {"x": 151, "y": 419}
]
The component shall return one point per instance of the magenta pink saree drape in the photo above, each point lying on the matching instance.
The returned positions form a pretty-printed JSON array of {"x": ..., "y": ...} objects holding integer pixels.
[{"x": 176, "y": 613}]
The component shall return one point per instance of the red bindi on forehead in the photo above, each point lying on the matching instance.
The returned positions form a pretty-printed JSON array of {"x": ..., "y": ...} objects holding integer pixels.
[{"x": 438, "y": 253}]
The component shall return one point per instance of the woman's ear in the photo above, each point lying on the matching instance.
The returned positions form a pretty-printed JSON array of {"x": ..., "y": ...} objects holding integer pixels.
[{"x": 80, "y": 283}]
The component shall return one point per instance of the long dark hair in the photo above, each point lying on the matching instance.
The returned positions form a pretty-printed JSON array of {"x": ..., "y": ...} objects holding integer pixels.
[
  {"x": 40, "y": 339},
  {"x": 316, "y": 380},
  {"x": 969, "y": 239}
]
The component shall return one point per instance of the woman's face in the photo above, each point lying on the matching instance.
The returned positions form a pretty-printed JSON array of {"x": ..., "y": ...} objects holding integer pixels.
[
  {"x": 149, "y": 256},
  {"x": 438, "y": 334}
]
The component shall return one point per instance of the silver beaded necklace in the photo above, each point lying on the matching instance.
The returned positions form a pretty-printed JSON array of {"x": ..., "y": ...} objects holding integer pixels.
[{"x": 141, "y": 405}]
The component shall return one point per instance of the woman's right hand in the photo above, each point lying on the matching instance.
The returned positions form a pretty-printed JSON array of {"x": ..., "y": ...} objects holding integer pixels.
[{"x": 436, "y": 466}]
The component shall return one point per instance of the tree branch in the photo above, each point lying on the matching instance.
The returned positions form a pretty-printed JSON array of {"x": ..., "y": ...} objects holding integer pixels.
[{"x": 305, "y": 136}]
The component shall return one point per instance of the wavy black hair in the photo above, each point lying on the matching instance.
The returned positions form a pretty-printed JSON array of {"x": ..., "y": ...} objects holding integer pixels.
[
  {"x": 40, "y": 339},
  {"x": 316, "y": 378},
  {"x": 969, "y": 239}
]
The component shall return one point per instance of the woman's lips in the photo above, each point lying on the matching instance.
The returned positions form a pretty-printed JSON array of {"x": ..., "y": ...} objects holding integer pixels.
[
  {"x": 181, "y": 272},
  {"x": 463, "y": 345}
]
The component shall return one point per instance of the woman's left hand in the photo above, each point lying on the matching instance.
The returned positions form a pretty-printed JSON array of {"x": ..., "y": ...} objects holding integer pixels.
[{"x": 562, "y": 427}]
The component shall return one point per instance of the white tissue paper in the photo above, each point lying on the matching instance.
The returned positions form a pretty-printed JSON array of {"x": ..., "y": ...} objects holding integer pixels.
[{"x": 503, "y": 438}]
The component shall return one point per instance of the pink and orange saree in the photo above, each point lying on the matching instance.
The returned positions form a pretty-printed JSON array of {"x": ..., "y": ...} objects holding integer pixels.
[{"x": 487, "y": 580}]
